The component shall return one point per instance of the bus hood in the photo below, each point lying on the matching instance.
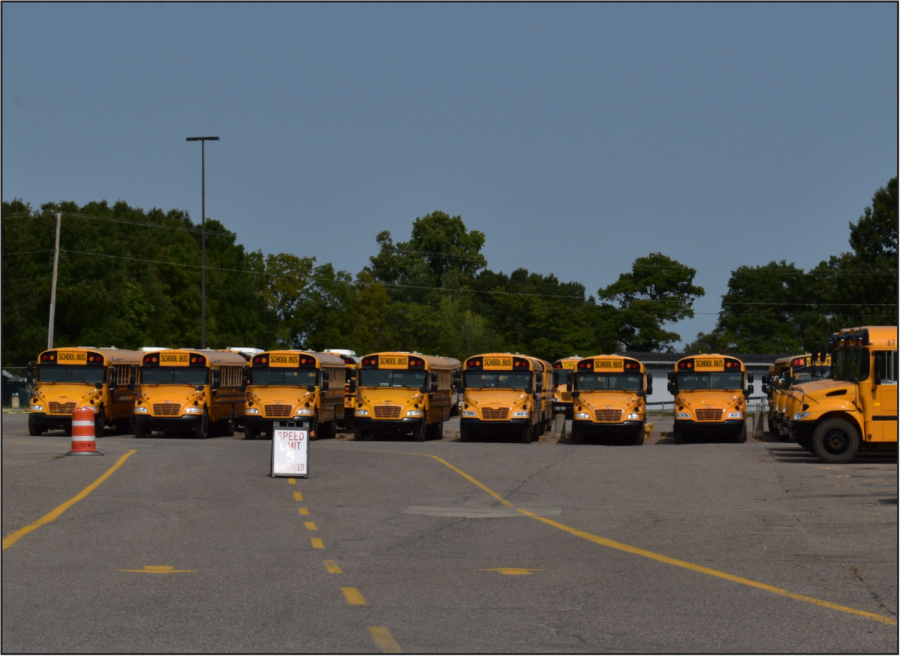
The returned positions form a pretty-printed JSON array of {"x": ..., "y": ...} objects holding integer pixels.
[
  {"x": 709, "y": 397},
  {"x": 65, "y": 392},
  {"x": 493, "y": 396},
  {"x": 280, "y": 394}
]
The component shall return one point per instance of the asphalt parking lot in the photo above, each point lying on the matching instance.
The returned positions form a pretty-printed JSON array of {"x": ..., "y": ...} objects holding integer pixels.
[{"x": 441, "y": 546}]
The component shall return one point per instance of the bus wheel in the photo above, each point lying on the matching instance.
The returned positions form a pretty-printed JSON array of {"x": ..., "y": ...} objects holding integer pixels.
[
  {"x": 33, "y": 429},
  {"x": 438, "y": 433},
  {"x": 464, "y": 435},
  {"x": 835, "y": 441},
  {"x": 99, "y": 422},
  {"x": 639, "y": 436},
  {"x": 202, "y": 429},
  {"x": 741, "y": 436},
  {"x": 139, "y": 431},
  {"x": 678, "y": 437},
  {"x": 527, "y": 434},
  {"x": 577, "y": 435},
  {"x": 419, "y": 431}
]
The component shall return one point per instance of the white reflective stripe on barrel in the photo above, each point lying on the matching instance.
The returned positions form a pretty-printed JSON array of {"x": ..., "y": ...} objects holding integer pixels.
[
  {"x": 82, "y": 423},
  {"x": 78, "y": 438}
]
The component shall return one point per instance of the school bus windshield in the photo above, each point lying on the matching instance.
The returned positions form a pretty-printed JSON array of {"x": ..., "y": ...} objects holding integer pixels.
[
  {"x": 173, "y": 376},
  {"x": 711, "y": 380},
  {"x": 391, "y": 378},
  {"x": 57, "y": 374},
  {"x": 622, "y": 382},
  {"x": 497, "y": 380},
  {"x": 852, "y": 365},
  {"x": 283, "y": 376}
]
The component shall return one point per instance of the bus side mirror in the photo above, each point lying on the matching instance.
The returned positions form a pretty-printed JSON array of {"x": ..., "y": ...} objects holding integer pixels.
[
  {"x": 788, "y": 379},
  {"x": 434, "y": 376},
  {"x": 245, "y": 377},
  {"x": 325, "y": 385},
  {"x": 649, "y": 384},
  {"x": 326, "y": 375},
  {"x": 352, "y": 387},
  {"x": 113, "y": 379},
  {"x": 423, "y": 390},
  {"x": 529, "y": 390},
  {"x": 214, "y": 380},
  {"x": 310, "y": 388},
  {"x": 555, "y": 379},
  {"x": 641, "y": 394},
  {"x": 671, "y": 376},
  {"x": 99, "y": 386},
  {"x": 749, "y": 378},
  {"x": 434, "y": 387},
  {"x": 879, "y": 367},
  {"x": 748, "y": 391},
  {"x": 673, "y": 389},
  {"x": 133, "y": 381}
]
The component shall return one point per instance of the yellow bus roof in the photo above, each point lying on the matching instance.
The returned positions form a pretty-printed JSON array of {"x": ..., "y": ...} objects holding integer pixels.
[
  {"x": 320, "y": 358},
  {"x": 431, "y": 361},
  {"x": 110, "y": 355}
]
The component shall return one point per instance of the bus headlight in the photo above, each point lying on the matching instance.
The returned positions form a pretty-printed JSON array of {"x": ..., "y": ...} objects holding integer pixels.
[
  {"x": 193, "y": 411},
  {"x": 469, "y": 413},
  {"x": 522, "y": 413},
  {"x": 37, "y": 408},
  {"x": 735, "y": 415},
  {"x": 634, "y": 415},
  {"x": 305, "y": 411},
  {"x": 414, "y": 413},
  {"x": 582, "y": 415},
  {"x": 682, "y": 415},
  {"x": 252, "y": 411},
  {"x": 141, "y": 408},
  {"x": 362, "y": 413},
  {"x": 800, "y": 416}
]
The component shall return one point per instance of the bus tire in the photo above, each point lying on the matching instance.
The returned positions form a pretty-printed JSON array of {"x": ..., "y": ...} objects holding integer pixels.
[
  {"x": 33, "y": 429},
  {"x": 250, "y": 433},
  {"x": 464, "y": 434},
  {"x": 439, "y": 430},
  {"x": 741, "y": 436},
  {"x": 358, "y": 435},
  {"x": 420, "y": 431},
  {"x": 678, "y": 437},
  {"x": 835, "y": 441},
  {"x": 202, "y": 430},
  {"x": 99, "y": 422},
  {"x": 577, "y": 435},
  {"x": 527, "y": 434},
  {"x": 139, "y": 432},
  {"x": 639, "y": 436}
]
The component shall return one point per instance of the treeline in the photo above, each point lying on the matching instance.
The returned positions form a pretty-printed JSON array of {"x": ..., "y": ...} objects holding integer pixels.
[{"x": 130, "y": 278}]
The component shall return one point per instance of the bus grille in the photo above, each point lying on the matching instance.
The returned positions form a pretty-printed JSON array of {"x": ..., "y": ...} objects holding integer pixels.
[
  {"x": 387, "y": 412},
  {"x": 166, "y": 409},
  {"x": 278, "y": 410},
  {"x": 608, "y": 415},
  {"x": 62, "y": 408},
  {"x": 495, "y": 413},
  {"x": 709, "y": 414},
  {"x": 565, "y": 397}
]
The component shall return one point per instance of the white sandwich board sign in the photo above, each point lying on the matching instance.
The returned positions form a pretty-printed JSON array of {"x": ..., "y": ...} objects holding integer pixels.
[{"x": 290, "y": 450}]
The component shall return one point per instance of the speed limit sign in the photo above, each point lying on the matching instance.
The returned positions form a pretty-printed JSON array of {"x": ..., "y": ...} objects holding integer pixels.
[{"x": 290, "y": 449}]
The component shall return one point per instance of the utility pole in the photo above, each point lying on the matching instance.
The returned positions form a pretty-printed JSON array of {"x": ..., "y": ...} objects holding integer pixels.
[
  {"x": 203, "y": 141},
  {"x": 53, "y": 284}
]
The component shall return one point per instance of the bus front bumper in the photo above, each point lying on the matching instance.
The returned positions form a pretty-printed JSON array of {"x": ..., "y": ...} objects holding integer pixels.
[
  {"x": 43, "y": 420},
  {"x": 801, "y": 431},
  {"x": 589, "y": 427},
  {"x": 498, "y": 425},
  {"x": 708, "y": 427},
  {"x": 388, "y": 425},
  {"x": 184, "y": 423}
]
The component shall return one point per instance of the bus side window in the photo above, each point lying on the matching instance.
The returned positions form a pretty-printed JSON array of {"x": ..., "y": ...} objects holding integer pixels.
[{"x": 886, "y": 367}]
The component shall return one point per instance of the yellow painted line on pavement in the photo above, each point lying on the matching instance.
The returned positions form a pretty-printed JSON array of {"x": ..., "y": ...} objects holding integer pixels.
[
  {"x": 292, "y": 481},
  {"x": 674, "y": 561},
  {"x": 303, "y": 511},
  {"x": 298, "y": 496},
  {"x": 317, "y": 543},
  {"x": 354, "y": 598},
  {"x": 332, "y": 567},
  {"x": 384, "y": 640},
  {"x": 12, "y": 538},
  {"x": 310, "y": 526},
  {"x": 512, "y": 571},
  {"x": 158, "y": 569}
]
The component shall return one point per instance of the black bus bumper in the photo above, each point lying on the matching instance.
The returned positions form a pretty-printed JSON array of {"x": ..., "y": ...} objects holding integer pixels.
[
  {"x": 708, "y": 428},
  {"x": 590, "y": 428},
  {"x": 474, "y": 425},
  {"x": 185, "y": 423},
  {"x": 405, "y": 425},
  {"x": 43, "y": 420}
]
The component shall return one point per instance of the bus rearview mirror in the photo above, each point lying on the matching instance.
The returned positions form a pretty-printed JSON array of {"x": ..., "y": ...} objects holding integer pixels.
[
  {"x": 310, "y": 388},
  {"x": 641, "y": 394},
  {"x": 576, "y": 394}
]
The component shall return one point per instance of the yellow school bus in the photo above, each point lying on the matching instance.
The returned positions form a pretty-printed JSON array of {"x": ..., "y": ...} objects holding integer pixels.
[
  {"x": 820, "y": 368},
  {"x": 610, "y": 393},
  {"x": 857, "y": 408},
  {"x": 505, "y": 393},
  {"x": 563, "y": 372},
  {"x": 350, "y": 364},
  {"x": 295, "y": 385},
  {"x": 710, "y": 397},
  {"x": 399, "y": 392},
  {"x": 201, "y": 391},
  {"x": 63, "y": 379},
  {"x": 795, "y": 371}
]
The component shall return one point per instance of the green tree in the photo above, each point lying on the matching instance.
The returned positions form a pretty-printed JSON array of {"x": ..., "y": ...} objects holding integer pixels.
[{"x": 658, "y": 290}]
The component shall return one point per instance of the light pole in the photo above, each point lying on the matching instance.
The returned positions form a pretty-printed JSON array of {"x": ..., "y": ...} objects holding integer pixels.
[{"x": 203, "y": 141}]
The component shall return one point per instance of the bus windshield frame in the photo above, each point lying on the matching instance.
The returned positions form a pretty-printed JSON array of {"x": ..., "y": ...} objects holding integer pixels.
[
  {"x": 593, "y": 381},
  {"x": 88, "y": 375},
  {"x": 851, "y": 365},
  {"x": 175, "y": 375},
  {"x": 710, "y": 380},
  {"x": 286, "y": 376},
  {"x": 498, "y": 379},
  {"x": 392, "y": 378}
]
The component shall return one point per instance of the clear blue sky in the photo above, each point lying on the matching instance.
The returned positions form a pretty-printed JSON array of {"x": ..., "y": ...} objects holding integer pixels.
[{"x": 577, "y": 137}]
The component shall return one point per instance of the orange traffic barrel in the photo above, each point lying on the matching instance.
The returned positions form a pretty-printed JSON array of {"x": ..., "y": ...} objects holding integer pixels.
[{"x": 83, "y": 439}]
